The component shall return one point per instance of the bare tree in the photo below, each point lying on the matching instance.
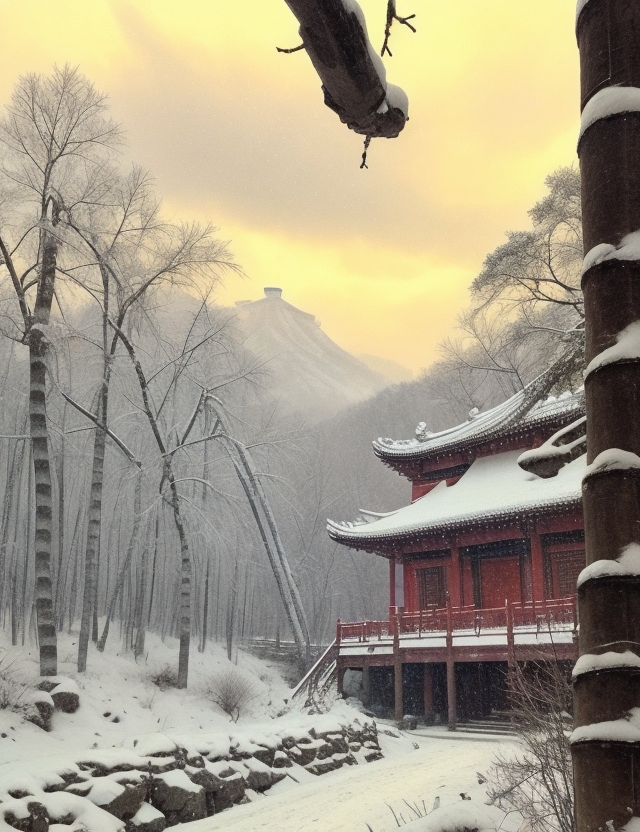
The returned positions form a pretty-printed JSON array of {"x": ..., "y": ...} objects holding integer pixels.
[
  {"x": 55, "y": 133},
  {"x": 537, "y": 780},
  {"x": 134, "y": 251},
  {"x": 527, "y": 305}
]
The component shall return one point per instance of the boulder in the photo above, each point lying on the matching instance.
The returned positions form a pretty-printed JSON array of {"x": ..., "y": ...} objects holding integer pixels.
[
  {"x": 66, "y": 696},
  {"x": 232, "y": 791},
  {"x": 280, "y": 760},
  {"x": 146, "y": 819},
  {"x": 179, "y": 800},
  {"x": 38, "y": 708},
  {"x": 126, "y": 804}
]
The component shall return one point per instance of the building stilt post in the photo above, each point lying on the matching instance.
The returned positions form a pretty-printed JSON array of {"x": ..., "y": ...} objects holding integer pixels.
[
  {"x": 452, "y": 715},
  {"x": 397, "y": 671},
  {"x": 428, "y": 692},
  {"x": 366, "y": 683}
]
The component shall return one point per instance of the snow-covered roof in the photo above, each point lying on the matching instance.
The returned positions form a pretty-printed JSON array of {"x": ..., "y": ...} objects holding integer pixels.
[
  {"x": 494, "y": 489},
  {"x": 513, "y": 414}
]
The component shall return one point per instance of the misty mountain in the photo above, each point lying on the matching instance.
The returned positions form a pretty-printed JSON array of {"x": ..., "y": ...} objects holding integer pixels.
[{"x": 304, "y": 369}]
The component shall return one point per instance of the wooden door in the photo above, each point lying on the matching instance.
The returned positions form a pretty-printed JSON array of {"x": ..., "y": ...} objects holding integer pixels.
[
  {"x": 499, "y": 580},
  {"x": 432, "y": 587}
]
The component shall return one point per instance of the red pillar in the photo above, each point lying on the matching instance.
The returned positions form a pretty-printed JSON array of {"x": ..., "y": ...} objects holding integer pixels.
[
  {"x": 537, "y": 566},
  {"x": 392, "y": 584},
  {"x": 451, "y": 674},
  {"x": 454, "y": 577}
]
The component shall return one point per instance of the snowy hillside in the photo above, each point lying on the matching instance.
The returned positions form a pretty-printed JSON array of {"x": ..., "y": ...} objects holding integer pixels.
[{"x": 306, "y": 370}]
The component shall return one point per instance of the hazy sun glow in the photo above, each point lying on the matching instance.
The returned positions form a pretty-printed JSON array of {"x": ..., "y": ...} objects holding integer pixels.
[{"x": 237, "y": 134}]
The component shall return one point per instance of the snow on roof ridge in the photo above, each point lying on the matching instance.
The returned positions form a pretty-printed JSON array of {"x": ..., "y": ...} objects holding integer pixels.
[{"x": 512, "y": 411}]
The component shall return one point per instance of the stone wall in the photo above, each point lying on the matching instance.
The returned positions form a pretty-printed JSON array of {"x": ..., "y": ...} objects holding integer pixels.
[{"x": 158, "y": 781}]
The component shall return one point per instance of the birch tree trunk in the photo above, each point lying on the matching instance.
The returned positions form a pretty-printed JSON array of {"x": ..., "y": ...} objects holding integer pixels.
[
  {"x": 93, "y": 542},
  {"x": 133, "y": 540},
  {"x": 41, "y": 458},
  {"x": 185, "y": 586},
  {"x": 606, "y": 743}
]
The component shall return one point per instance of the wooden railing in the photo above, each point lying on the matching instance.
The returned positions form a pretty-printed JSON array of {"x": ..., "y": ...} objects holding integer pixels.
[{"x": 543, "y": 615}]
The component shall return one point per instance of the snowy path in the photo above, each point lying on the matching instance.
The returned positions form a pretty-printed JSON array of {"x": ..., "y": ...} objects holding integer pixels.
[{"x": 345, "y": 800}]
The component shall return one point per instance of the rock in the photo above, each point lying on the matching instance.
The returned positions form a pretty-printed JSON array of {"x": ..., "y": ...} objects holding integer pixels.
[
  {"x": 146, "y": 819},
  {"x": 323, "y": 766},
  {"x": 38, "y": 708},
  {"x": 409, "y": 722},
  {"x": 265, "y": 754},
  {"x": 179, "y": 800},
  {"x": 127, "y": 804},
  {"x": 66, "y": 696},
  {"x": 304, "y": 752},
  {"x": 280, "y": 760},
  {"x": 232, "y": 791},
  {"x": 34, "y": 819},
  {"x": 261, "y": 777}
]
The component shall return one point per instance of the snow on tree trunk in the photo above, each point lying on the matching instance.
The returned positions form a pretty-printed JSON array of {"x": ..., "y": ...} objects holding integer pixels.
[
  {"x": 185, "y": 587},
  {"x": 606, "y": 751},
  {"x": 41, "y": 458},
  {"x": 93, "y": 543}
]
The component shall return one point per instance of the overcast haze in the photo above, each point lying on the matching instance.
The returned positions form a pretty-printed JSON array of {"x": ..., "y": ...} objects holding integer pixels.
[{"x": 237, "y": 134}]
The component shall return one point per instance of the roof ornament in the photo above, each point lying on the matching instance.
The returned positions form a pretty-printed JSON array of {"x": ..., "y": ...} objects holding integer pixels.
[{"x": 422, "y": 433}]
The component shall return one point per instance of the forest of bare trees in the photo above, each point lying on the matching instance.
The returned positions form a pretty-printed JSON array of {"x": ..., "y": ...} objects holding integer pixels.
[{"x": 150, "y": 482}]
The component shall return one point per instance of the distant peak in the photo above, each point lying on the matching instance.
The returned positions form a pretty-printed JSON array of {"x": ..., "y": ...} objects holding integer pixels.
[{"x": 272, "y": 292}]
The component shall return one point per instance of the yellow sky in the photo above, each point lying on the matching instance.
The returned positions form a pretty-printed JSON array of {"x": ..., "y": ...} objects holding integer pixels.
[{"x": 237, "y": 134}]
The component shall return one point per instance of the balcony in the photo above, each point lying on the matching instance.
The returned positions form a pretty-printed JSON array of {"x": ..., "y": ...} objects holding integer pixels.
[{"x": 543, "y": 622}]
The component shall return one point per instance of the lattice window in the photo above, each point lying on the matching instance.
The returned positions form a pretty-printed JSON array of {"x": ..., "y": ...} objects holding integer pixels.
[{"x": 432, "y": 587}]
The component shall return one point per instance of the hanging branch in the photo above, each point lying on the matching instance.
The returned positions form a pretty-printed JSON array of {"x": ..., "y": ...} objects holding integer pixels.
[
  {"x": 367, "y": 142},
  {"x": 391, "y": 16},
  {"x": 290, "y": 51}
]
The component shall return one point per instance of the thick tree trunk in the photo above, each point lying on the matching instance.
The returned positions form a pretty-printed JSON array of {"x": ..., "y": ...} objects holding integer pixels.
[
  {"x": 41, "y": 459},
  {"x": 605, "y": 746}
]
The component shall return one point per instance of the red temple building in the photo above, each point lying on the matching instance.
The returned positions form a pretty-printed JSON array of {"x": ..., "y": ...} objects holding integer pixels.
[{"x": 483, "y": 562}]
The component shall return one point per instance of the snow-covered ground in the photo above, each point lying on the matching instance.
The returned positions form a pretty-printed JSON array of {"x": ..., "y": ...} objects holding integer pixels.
[
  {"x": 118, "y": 698},
  {"x": 439, "y": 771},
  {"x": 120, "y": 704}
]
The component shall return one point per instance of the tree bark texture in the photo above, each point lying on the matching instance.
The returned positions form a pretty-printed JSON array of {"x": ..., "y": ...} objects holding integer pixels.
[
  {"x": 133, "y": 542},
  {"x": 335, "y": 42},
  {"x": 41, "y": 458},
  {"x": 93, "y": 544},
  {"x": 185, "y": 587},
  {"x": 606, "y": 770}
]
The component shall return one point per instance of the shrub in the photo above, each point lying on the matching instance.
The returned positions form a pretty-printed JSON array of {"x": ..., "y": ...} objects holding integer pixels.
[
  {"x": 537, "y": 779},
  {"x": 232, "y": 692},
  {"x": 12, "y": 687},
  {"x": 164, "y": 677}
]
